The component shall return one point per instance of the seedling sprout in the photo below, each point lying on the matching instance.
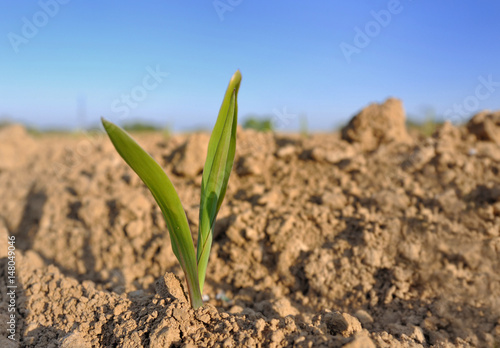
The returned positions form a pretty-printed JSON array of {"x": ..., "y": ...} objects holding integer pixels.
[{"x": 216, "y": 172}]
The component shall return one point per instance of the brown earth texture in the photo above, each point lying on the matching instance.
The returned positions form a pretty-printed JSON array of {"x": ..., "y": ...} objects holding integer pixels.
[{"x": 371, "y": 237}]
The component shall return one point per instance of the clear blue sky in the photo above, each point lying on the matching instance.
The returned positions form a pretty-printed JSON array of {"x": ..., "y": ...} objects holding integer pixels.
[{"x": 66, "y": 63}]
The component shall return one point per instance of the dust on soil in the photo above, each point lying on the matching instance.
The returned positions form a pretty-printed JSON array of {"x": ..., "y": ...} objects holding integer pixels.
[{"x": 371, "y": 237}]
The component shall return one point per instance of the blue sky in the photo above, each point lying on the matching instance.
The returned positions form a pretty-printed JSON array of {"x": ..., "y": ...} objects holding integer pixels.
[{"x": 65, "y": 63}]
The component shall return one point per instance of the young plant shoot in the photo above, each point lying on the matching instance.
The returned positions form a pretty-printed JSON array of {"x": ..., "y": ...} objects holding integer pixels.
[{"x": 218, "y": 165}]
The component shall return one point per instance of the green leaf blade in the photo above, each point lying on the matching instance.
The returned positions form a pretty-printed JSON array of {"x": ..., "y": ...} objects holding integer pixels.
[
  {"x": 165, "y": 195},
  {"x": 216, "y": 172}
]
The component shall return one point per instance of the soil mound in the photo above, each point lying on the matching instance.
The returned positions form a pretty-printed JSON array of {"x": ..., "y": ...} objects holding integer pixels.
[
  {"x": 191, "y": 157},
  {"x": 16, "y": 147},
  {"x": 319, "y": 243},
  {"x": 486, "y": 126},
  {"x": 377, "y": 124}
]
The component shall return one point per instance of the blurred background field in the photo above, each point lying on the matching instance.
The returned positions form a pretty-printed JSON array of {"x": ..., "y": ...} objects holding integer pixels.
[{"x": 67, "y": 63}]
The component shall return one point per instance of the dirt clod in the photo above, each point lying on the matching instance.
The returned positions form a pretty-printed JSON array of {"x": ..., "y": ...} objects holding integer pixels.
[
  {"x": 377, "y": 124},
  {"x": 17, "y": 147},
  {"x": 486, "y": 126},
  {"x": 192, "y": 155},
  {"x": 170, "y": 286}
]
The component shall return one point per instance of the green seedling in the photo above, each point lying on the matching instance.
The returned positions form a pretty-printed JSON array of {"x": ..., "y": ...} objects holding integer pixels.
[{"x": 218, "y": 165}]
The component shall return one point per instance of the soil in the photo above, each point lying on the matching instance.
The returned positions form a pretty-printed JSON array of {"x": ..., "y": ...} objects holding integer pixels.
[{"x": 370, "y": 237}]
